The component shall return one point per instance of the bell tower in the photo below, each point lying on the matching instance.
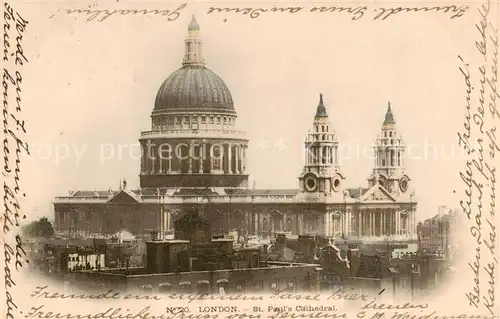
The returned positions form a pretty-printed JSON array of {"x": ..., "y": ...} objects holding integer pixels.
[
  {"x": 389, "y": 168},
  {"x": 321, "y": 174}
]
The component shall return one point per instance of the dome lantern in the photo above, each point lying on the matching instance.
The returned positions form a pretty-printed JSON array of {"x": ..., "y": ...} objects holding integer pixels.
[{"x": 193, "y": 55}]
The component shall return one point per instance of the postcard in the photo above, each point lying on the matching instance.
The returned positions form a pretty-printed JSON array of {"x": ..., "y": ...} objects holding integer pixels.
[{"x": 248, "y": 160}]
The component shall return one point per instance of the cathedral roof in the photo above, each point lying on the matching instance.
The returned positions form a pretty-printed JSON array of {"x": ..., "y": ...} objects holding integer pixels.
[
  {"x": 389, "y": 117},
  {"x": 321, "y": 110},
  {"x": 357, "y": 192},
  {"x": 194, "y": 87}
]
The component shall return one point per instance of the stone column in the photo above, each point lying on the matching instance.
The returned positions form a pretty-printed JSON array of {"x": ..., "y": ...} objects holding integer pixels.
[
  {"x": 374, "y": 222},
  {"x": 242, "y": 158},
  {"x": 229, "y": 160},
  {"x": 190, "y": 154},
  {"x": 366, "y": 231},
  {"x": 359, "y": 224},
  {"x": 414, "y": 211},
  {"x": 211, "y": 158},
  {"x": 384, "y": 223},
  {"x": 237, "y": 159},
  {"x": 396, "y": 224},
  {"x": 241, "y": 161},
  {"x": 255, "y": 223},
  {"x": 381, "y": 222},
  {"x": 284, "y": 225},
  {"x": 413, "y": 226},
  {"x": 393, "y": 222},
  {"x": 371, "y": 224},
  {"x": 381, "y": 212},
  {"x": 408, "y": 224},
  {"x": 366, "y": 222},
  {"x": 153, "y": 159},
  {"x": 201, "y": 155},
  {"x": 325, "y": 223},
  {"x": 341, "y": 223},
  {"x": 398, "y": 221},
  {"x": 347, "y": 222},
  {"x": 328, "y": 223},
  {"x": 301, "y": 222},
  {"x": 332, "y": 223},
  {"x": 271, "y": 222}
]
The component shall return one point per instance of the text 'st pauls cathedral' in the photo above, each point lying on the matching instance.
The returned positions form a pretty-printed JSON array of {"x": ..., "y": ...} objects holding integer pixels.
[{"x": 194, "y": 157}]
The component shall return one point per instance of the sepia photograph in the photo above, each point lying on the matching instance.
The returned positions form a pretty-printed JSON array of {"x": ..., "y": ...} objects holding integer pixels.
[{"x": 249, "y": 160}]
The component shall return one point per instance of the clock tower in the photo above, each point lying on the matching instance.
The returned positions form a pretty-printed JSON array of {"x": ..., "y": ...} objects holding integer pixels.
[
  {"x": 389, "y": 168},
  {"x": 321, "y": 174}
]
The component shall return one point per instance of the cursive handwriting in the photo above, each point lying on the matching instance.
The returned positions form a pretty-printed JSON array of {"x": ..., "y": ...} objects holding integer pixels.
[
  {"x": 254, "y": 12},
  {"x": 457, "y": 12},
  {"x": 191, "y": 297},
  {"x": 14, "y": 59},
  {"x": 355, "y": 13},
  {"x": 100, "y": 15},
  {"x": 41, "y": 292},
  {"x": 479, "y": 175},
  {"x": 373, "y": 305}
]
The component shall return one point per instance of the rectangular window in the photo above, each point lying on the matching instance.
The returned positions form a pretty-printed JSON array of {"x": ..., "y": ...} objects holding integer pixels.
[
  {"x": 217, "y": 160},
  {"x": 203, "y": 120}
]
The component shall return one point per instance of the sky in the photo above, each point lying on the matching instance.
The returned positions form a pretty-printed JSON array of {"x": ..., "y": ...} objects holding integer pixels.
[{"x": 89, "y": 89}]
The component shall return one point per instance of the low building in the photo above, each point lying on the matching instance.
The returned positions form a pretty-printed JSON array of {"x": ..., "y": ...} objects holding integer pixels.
[
  {"x": 440, "y": 234},
  {"x": 206, "y": 265}
]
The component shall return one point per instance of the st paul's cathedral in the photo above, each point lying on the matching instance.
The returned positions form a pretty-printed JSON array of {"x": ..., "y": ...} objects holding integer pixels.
[{"x": 195, "y": 158}]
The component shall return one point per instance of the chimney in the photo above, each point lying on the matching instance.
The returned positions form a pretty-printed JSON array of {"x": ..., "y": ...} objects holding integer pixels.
[{"x": 124, "y": 184}]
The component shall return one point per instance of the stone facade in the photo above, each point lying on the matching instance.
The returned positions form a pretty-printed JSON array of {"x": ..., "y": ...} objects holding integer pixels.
[{"x": 194, "y": 155}]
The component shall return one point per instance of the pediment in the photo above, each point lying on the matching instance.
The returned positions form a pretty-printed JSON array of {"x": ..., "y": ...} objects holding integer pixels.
[
  {"x": 378, "y": 193},
  {"x": 123, "y": 197}
]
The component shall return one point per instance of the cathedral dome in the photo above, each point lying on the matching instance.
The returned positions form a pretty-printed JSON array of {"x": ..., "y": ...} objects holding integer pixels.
[{"x": 194, "y": 87}]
